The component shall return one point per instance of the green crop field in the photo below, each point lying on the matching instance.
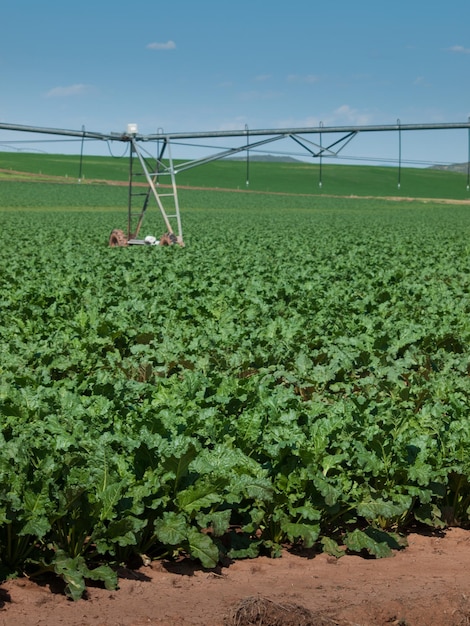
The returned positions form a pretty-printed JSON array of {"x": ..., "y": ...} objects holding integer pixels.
[
  {"x": 299, "y": 373},
  {"x": 293, "y": 178}
]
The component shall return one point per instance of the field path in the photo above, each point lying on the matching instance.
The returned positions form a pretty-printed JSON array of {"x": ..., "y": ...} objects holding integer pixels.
[{"x": 424, "y": 585}]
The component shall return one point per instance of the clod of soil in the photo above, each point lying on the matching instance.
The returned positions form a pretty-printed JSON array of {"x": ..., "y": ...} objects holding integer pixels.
[{"x": 258, "y": 611}]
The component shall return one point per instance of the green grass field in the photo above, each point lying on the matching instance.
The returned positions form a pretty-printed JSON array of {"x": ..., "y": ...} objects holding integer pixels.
[{"x": 292, "y": 178}]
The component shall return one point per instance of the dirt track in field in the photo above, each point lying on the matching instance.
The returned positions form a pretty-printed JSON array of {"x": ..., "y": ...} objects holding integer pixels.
[{"x": 426, "y": 584}]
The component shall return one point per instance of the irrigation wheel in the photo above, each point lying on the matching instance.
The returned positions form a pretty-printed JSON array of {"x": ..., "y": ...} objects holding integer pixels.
[
  {"x": 168, "y": 239},
  {"x": 117, "y": 239}
]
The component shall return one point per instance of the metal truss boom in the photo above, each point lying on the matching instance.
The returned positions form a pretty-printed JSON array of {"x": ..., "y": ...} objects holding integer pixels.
[
  {"x": 280, "y": 132},
  {"x": 61, "y": 132},
  {"x": 308, "y": 130}
]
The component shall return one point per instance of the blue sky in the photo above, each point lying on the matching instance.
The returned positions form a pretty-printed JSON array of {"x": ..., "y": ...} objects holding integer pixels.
[{"x": 214, "y": 65}]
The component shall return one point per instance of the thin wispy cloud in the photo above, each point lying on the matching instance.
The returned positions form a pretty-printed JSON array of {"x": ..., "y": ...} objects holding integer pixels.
[
  {"x": 262, "y": 77},
  {"x": 346, "y": 114},
  {"x": 237, "y": 123},
  {"x": 420, "y": 81},
  {"x": 156, "y": 45},
  {"x": 259, "y": 95},
  {"x": 68, "y": 91},
  {"x": 298, "y": 78},
  {"x": 459, "y": 50}
]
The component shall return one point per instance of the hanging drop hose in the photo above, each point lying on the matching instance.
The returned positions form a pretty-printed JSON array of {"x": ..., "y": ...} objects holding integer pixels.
[
  {"x": 247, "y": 182},
  {"x": 81, "y": 156}
]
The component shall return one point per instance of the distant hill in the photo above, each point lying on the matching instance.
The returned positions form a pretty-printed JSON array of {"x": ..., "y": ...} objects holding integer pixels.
[
  {"x": 460, "y": 168},
  {"x": 266, "y": 158}
]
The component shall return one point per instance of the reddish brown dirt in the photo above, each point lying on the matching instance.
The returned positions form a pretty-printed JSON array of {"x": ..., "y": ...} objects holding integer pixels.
[{"x": 427, "y": 584}]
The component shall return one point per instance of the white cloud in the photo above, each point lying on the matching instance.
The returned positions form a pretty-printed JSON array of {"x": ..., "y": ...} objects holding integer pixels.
[
  {"x": 344, "y": 115},
  {"x": 70, "y": 90},
  {"x": 237, "y": 123},
  {"x": 459, "y": 50},
  {"x": 349, "y": 115},
  {"x": 169, "y": 45},
  {"x": 262, "y": 77},
  {"x": 421, "y": 81},
  {"x": 308, "y": 78}
]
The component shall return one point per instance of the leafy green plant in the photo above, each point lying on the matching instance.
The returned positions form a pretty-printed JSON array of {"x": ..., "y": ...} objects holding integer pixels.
[{"x": 234, "y": 397}]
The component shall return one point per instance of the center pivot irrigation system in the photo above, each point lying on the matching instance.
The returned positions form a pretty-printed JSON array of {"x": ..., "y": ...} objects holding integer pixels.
[{"x": 163, "y": 167}]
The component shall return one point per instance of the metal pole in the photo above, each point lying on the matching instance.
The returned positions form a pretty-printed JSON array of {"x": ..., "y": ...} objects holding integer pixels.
[
  {"x": 468, "y": 160},
  {"x": 129, "y": 202},
  {"x": 157, "y": 167},
  {"x": 175, "y": 198},
  {"x": 399, "y": 154}
]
